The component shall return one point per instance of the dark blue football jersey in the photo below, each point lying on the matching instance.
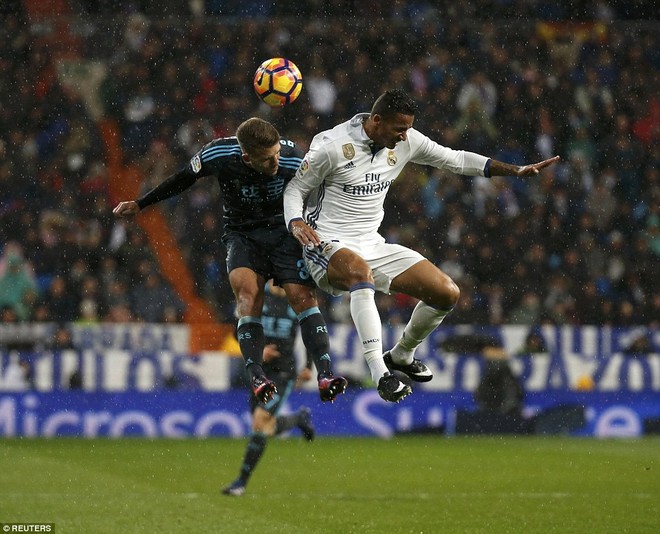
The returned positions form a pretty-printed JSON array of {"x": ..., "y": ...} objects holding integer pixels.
[{"x": 250, "y": 199}]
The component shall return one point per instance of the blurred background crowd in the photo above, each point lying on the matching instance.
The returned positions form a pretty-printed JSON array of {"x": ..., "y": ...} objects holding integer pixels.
[{"x": 518, "y": 81}]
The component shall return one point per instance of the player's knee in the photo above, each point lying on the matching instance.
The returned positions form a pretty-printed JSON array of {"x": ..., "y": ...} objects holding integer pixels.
[
  {"x": 263, "y": 422},
  {"x": 452, "y": 293},
  {"x": 447, "y": 297},
  {"x": 346, "y": 269},
  {"x": 301, "y": 298},
  {"x": 357, "y": 273},
  {"x": 248, "y": 302}
]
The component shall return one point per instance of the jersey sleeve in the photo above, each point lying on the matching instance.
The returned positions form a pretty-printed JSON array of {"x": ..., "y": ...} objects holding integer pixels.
[
  {"x": 425, "y": 151},
  {"x": 313, "y": 170},
  {"x": 171, "y": 186},
  {"x": 178, "y": 182}
]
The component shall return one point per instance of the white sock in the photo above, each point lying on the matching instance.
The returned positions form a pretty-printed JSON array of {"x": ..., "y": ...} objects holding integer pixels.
[
  {"x": 369, "y": 328},
  {"x": 423, "y": 321}
]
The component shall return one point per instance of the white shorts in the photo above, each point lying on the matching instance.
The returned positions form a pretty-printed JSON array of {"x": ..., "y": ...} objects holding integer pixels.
[{"x": 387, "y": 260}]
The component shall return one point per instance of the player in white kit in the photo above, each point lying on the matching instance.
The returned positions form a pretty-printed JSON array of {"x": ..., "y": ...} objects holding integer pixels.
[{"x": 334, "y": 206}]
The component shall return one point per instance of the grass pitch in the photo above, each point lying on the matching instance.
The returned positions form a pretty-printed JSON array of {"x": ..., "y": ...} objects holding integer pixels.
[{"x": 408, "y": 484}]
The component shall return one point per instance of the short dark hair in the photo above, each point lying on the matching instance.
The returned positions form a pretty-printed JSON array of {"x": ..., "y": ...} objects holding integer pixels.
[
  {"x": 394, "y": 101},
  {"x": 256, "y": 134}
]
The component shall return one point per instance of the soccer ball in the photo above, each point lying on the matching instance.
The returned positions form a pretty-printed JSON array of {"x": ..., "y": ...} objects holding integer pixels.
[{"x": 277, "y": 82}]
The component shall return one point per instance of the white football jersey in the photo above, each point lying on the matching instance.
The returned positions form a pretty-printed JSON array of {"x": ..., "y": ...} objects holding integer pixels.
[{"x": 340, "y": 187}]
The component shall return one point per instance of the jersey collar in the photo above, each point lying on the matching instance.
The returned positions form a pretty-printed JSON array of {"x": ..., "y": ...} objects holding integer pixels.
[{"x": 359, "y": 134}]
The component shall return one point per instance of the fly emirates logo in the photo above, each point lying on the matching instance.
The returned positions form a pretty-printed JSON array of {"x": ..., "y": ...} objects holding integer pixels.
[{"x": 371, "y": 186}]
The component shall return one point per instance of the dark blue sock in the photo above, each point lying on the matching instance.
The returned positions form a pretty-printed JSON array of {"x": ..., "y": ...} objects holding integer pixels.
[
  {"x": 314, "y": 334},
  {"x": 255, "y": 449},
  {"x": 250, "y": 335}
]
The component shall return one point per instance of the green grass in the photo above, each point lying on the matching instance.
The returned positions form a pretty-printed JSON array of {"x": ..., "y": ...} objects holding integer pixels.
[{"x": 406, "y": 484}]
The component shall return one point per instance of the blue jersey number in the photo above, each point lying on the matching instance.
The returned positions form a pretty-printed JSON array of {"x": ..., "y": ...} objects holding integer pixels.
[{"x": 302, "y": 270}]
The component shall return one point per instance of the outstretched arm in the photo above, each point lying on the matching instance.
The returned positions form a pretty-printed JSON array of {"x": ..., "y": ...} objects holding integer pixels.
[
  {"x": 173, "y": 185},
  {"x": 498, "y": 168}
]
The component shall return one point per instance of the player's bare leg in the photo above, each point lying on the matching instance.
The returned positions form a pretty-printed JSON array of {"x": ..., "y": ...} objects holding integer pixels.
[{"x": 437, "y": 294}]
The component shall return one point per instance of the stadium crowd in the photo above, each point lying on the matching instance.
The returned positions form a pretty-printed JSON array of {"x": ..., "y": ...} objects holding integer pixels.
[{"x": 580, "y": 244}]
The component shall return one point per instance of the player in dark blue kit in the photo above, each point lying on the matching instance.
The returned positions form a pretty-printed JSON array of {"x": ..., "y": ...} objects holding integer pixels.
[
  {"x": 280, "y": 326},
  {"x": 252, "y": 169}
]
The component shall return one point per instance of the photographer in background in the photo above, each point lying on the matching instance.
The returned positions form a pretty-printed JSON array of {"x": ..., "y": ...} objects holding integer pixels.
[{"x": 499, "y": 390}]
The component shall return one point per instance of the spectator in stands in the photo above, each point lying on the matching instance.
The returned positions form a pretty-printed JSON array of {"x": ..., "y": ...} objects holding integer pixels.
[
  {"x": 322, "y": 93},
  {"x": 478, "y": 94},
  {"x": 88, "y": 313},
  {"x": 151, "y": 298},
  {"x": 62, "y": 338},
  {"x": 475, "y": 128},
  {"x": 17, "y": 376},
  {"x": 18, "y": 289},
  {"x": 527, "y": 311},
  {"x": 60, "y": 300},
  {"x": 534, "y": 343}
]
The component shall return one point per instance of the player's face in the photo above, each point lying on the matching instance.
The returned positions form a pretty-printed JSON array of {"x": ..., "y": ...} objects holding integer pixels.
[
  {"x": 389, "y": 131},
  {"x": 265, "y": 161}
]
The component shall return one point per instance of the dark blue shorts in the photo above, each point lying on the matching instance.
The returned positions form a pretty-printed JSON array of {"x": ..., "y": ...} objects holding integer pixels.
[{"x": 269, "y": 252}]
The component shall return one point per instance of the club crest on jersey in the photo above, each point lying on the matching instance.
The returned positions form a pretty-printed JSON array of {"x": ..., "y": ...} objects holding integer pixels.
[
  {"x": 391, "y": 158},
  {"x": 349, "y": 150},
  {"x": 196, "y": 164},
  {"x": 304, "y": 167}
]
